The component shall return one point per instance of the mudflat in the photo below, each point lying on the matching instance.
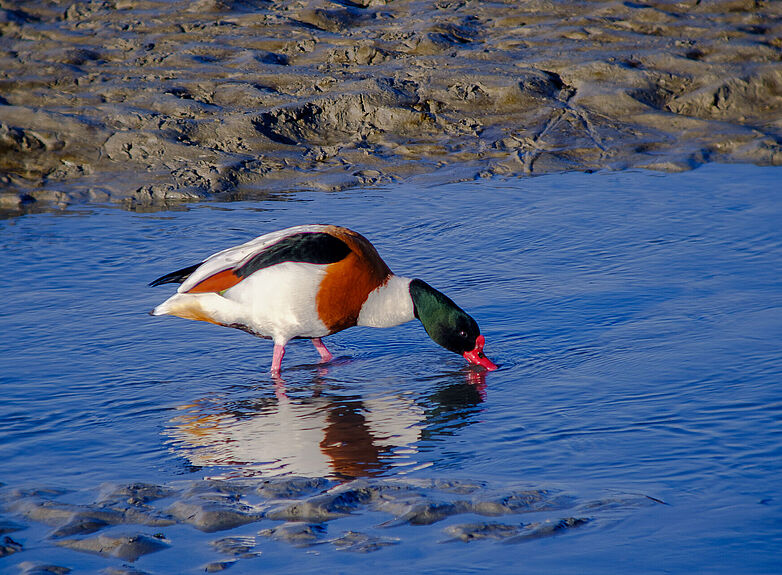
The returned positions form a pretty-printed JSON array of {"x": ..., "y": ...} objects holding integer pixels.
[{"x": 152, "y": 102}]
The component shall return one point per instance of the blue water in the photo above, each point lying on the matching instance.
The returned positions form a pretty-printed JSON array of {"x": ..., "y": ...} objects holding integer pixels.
[{"x": 636, "y": 318}]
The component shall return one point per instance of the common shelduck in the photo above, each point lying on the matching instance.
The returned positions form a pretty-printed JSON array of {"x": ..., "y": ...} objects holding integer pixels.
[{"x": 309, "y": 282}]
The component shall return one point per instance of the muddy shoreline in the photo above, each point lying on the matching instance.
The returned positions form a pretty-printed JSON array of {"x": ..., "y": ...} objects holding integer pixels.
[
  {"x": 129, "y": 521},
  {"x": 151, "y": 102}
]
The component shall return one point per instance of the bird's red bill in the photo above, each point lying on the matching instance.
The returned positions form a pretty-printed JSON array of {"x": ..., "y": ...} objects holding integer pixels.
[{"x": 477, "y": 357}]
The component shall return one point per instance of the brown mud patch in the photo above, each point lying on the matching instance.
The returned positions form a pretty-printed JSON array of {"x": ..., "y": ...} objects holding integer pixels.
[{"x": 151, "y": 102}]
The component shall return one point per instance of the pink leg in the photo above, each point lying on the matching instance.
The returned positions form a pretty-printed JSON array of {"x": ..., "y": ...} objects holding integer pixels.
[
  {"x": 325, "y": 354},
  {"x": 279, "y": 352}
]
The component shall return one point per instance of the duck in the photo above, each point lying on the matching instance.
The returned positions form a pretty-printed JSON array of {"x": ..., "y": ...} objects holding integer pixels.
[{"x": 309, "y": 282}]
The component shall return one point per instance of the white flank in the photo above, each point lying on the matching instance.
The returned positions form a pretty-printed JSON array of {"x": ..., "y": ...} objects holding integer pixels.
[
  {"x": 280, "y": 301},
  {"x": 388, "y": 305},
  {"x": 277, "y": 302}
]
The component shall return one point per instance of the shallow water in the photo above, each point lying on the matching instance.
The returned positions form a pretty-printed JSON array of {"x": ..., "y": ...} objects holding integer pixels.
[{"x": 636, "y": 318}]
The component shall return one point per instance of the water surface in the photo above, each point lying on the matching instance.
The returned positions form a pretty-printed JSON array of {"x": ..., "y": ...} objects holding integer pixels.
[{"x": 636, "y": 318}]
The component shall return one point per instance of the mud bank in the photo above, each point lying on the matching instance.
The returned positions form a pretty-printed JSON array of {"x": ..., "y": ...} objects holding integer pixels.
[
  {"x": 127, "y": 522},
  {"x": 151, "y": 102}
]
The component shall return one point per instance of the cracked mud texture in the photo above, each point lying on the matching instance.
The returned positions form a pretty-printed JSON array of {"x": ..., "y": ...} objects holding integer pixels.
[{"x": 151, "y": 102}]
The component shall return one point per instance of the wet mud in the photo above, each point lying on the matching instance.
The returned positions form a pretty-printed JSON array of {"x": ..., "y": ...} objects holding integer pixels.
[
  {"x": 152, "y": 102},
  {"x": 130, "y": 521}
]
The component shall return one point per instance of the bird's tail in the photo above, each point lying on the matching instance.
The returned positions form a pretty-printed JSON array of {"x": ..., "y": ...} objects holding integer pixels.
[{"x": 202, "y": 307}]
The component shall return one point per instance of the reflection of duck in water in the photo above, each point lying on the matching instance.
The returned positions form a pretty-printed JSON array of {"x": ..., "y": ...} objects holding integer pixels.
[
  {"x": 317, "y": 436},
  {"x": 312, "y": 281}
]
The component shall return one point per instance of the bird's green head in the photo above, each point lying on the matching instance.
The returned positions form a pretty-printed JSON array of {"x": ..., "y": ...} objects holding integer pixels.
[{"x": 448, "y": 324}]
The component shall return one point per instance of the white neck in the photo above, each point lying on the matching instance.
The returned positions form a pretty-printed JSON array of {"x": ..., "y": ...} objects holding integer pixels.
[{"x": 388, "y": 305}]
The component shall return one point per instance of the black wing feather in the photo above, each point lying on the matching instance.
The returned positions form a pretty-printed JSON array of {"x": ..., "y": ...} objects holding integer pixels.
[
  {"x": 176, "y": 277},
  {"x": 305, "y": 247}
]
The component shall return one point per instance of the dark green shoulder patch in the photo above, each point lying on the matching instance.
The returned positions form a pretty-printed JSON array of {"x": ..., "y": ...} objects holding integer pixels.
[{"x": 310, "y": 248}]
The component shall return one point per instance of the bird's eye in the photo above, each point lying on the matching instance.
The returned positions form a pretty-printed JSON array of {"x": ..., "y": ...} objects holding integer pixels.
[{"x": 462, "y": 333}]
